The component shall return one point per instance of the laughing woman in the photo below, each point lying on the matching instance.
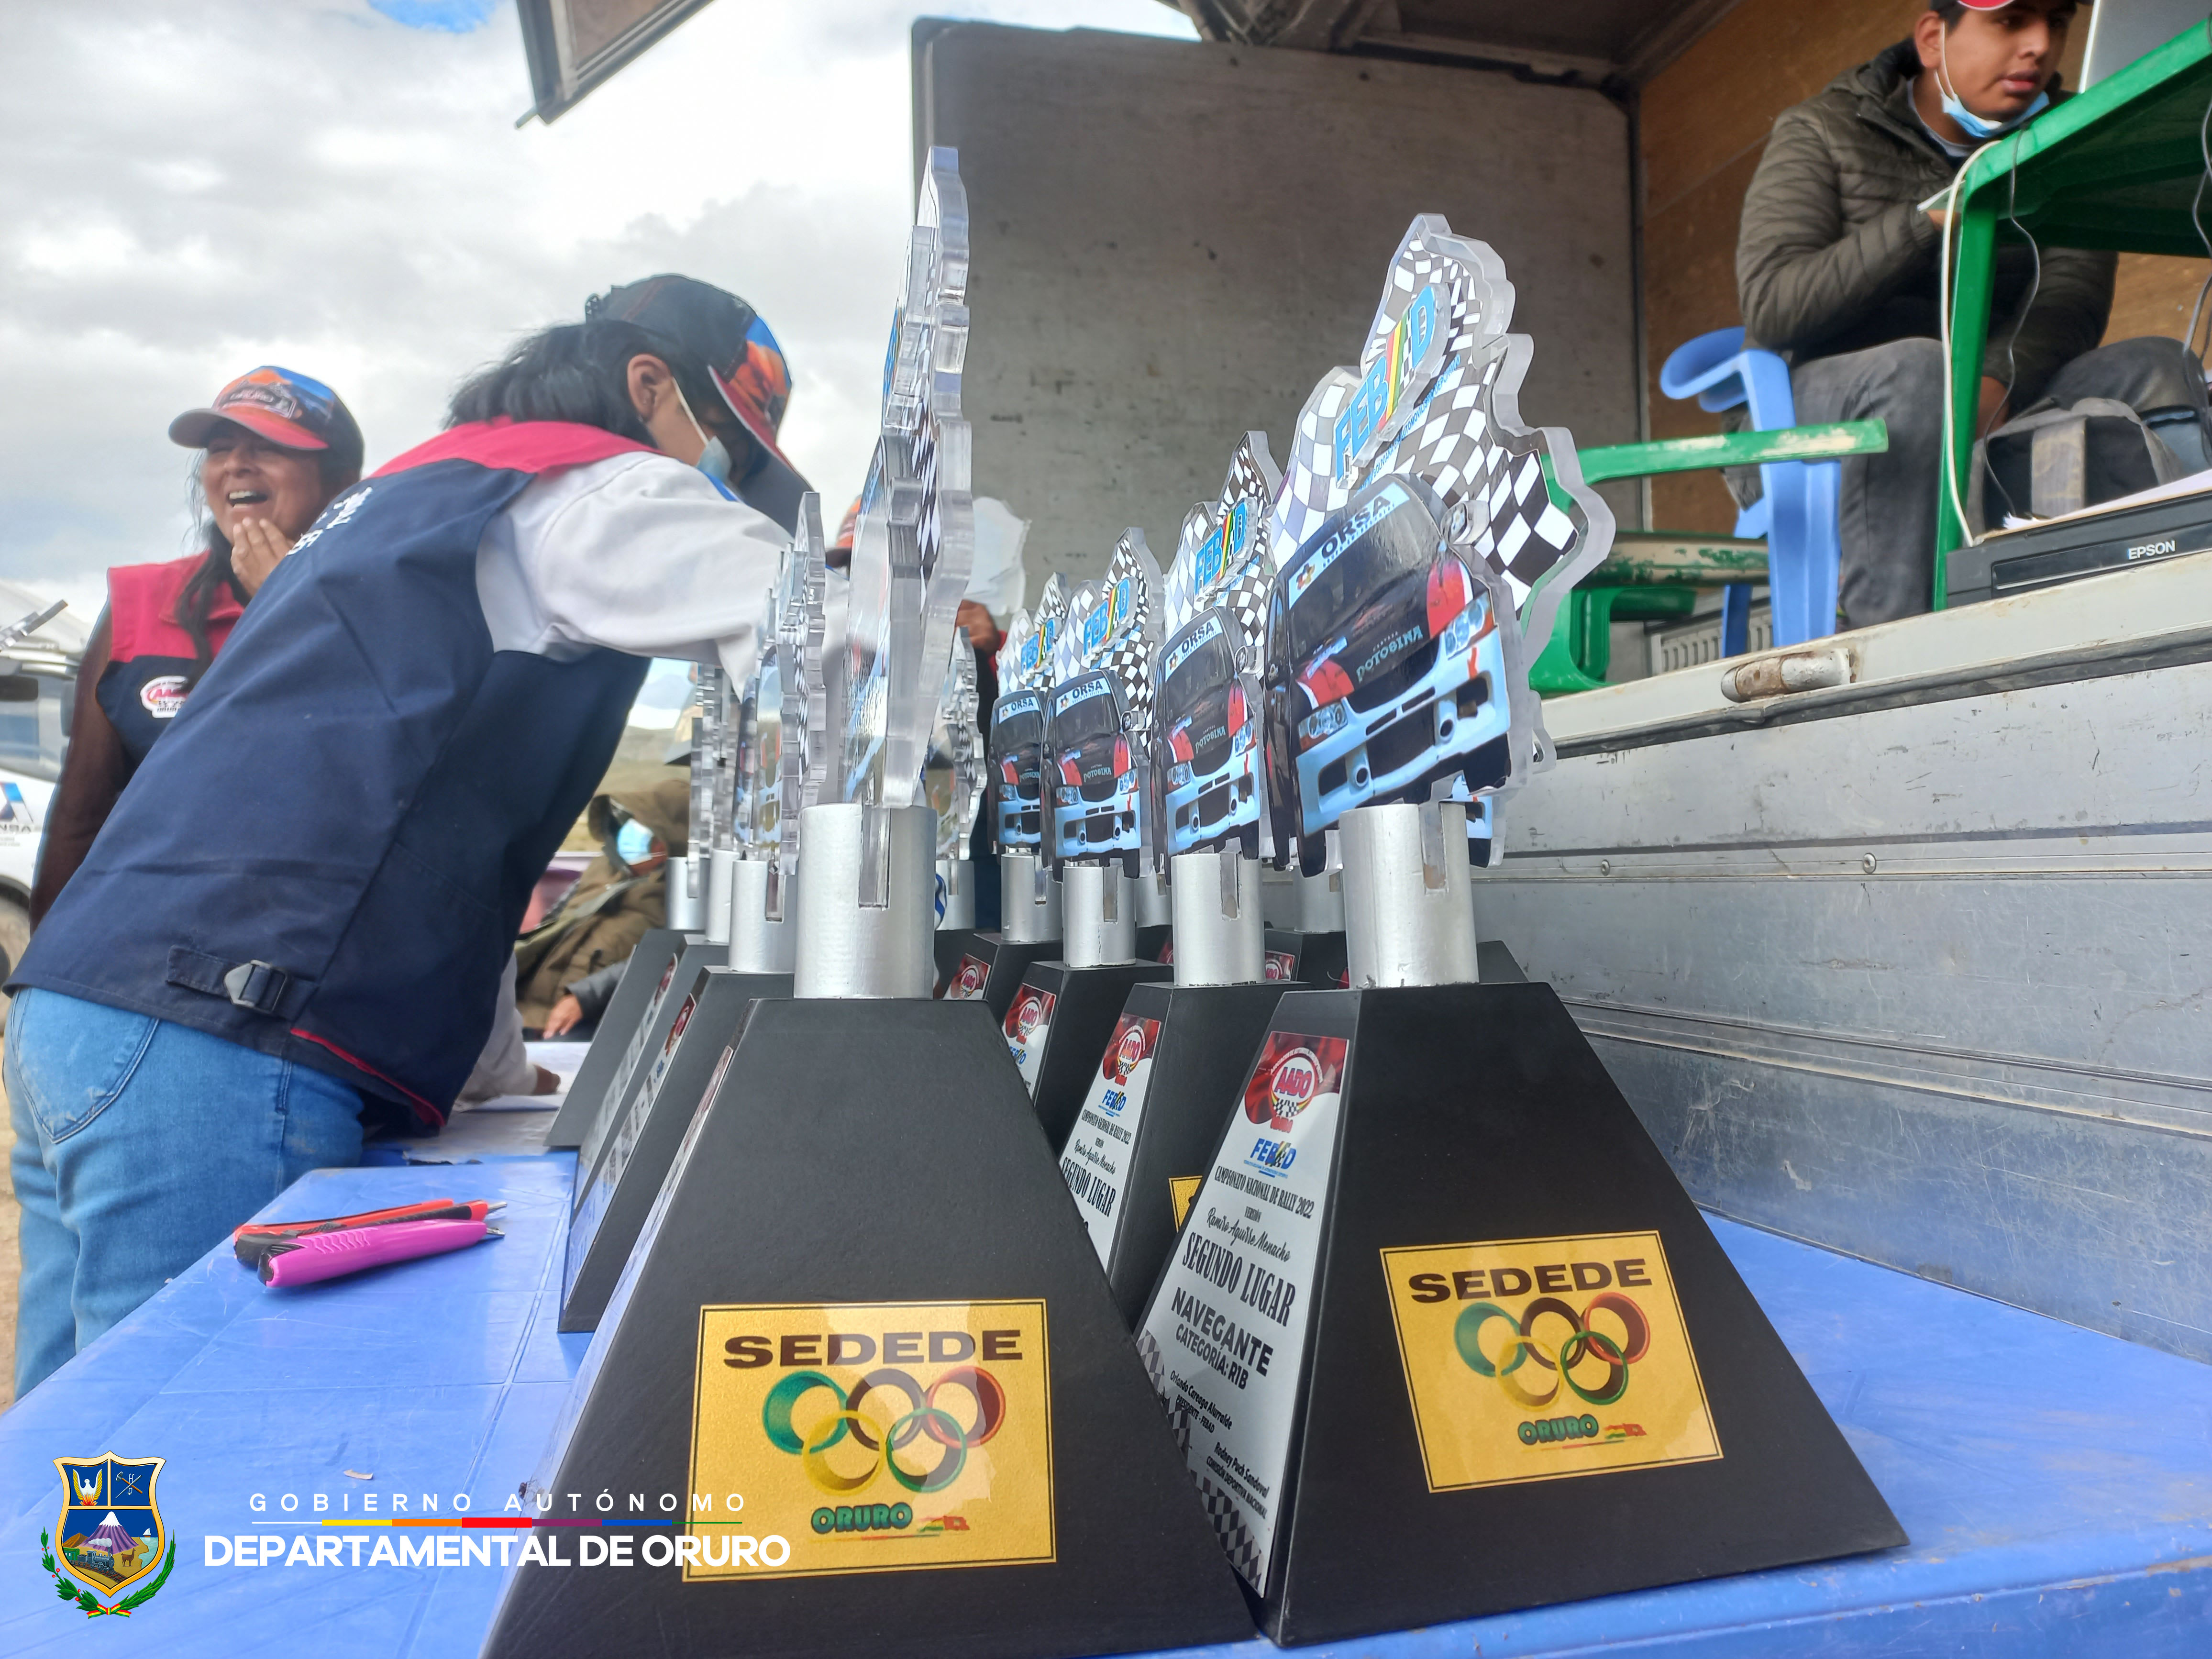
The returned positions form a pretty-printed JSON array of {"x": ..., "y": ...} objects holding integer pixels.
[{"x": 275, "y": 449}]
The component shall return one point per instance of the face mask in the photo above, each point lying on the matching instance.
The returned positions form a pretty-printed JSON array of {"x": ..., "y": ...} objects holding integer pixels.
[
  {"x": 1979, "y": 128},
  {"x": 715, "y": 461},
  {"x": 714, "y": 458},
  {"x": 633, "y": 843}
]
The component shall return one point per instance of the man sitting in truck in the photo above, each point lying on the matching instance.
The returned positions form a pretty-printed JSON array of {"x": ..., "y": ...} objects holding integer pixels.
[{"x": 1836, "y": 270}]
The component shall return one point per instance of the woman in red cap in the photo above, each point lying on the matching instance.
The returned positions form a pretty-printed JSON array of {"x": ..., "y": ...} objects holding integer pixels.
[{"x": 275, "y": 448}]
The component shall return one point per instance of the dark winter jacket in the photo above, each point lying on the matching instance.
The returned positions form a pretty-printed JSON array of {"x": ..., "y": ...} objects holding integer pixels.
[{"x": 1836, "y": 255}]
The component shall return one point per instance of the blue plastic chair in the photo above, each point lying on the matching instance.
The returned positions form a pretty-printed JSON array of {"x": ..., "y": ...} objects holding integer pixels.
[{"x": 1796, "y": 509}]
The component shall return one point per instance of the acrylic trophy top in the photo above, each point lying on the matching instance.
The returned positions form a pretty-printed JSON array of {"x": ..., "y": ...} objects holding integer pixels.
[
  {"x": 1207, "y": 753},
  {"x": 1098, "y": 713},
  {"x": 1018, "y": 722},
  {"x": 806, "y": 736},
  {"x": 913, "y": 543},
  {"x": 1433, "y": 404},
  {"x": 756, "y": 775},
  {"x": 953, "y": 775}
]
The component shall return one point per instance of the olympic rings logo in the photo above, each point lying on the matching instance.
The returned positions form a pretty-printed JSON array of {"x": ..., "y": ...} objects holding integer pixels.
[
  {"x": 892, "y": 1434},
  {"x": 1581, "y": 1346}
]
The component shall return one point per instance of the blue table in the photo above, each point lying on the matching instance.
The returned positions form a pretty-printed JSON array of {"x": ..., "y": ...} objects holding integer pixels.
[{"x": 2057, "y": 1484}]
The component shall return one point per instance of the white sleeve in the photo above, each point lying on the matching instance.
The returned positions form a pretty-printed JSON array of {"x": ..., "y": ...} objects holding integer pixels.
[
  {"x": 505, "y": 1066},
  {"x": 640, "y": 554}
]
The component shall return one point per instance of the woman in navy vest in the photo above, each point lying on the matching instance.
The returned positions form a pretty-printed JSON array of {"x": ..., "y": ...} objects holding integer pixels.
[
  {"x": 294, "y": 925},
  {"x": 275, "y": 447}
]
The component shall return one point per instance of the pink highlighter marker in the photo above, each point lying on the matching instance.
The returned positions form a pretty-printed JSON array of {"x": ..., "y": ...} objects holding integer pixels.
[{"x": 318, "y": 1256}]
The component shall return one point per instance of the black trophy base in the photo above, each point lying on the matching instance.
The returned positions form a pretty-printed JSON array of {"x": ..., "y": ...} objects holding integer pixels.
[
  {"x": 613, "y": 1199},
  {"x": 1086, "y": 1002},
  {"x": 1203, "y": 1050},
  {"x": 645, "y": 1039},
  {"x": 1153, "y": 942},
  {"x": 1478, "y": 1115},
  {"x": 640, "y": 978},
  {"x": 1313, "y": 959},
  {"x": 990, "y": 970},
  {"x": 797, "y": 1199},
  {"x": 948, "y": 947}
]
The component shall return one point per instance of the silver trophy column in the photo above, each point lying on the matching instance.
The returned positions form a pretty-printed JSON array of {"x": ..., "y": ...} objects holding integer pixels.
[
  {"x": 761, "y": 944},
  {"x": 865, "y": 910},
  {"x": 1029, "y": 901},
  {"x": 1097, "y": 918},
  {"x": 1409, "y": 915},
  {"x": 958, "y": 878},
  {"x": 1220, "y": 934}
]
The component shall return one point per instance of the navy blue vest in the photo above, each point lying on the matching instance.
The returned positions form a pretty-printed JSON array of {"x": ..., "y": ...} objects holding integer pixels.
[{"x": 328, "y": 856}]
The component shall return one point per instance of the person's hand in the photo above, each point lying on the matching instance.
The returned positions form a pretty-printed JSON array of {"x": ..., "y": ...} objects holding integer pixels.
[
  {"x": 255, "y": 551},
  {"x": 563, "y": 1019},
  {"x": 1991, "y": 411},
  {"x": 982, "y": 633},
  {"x": 549, "y": 1080}
]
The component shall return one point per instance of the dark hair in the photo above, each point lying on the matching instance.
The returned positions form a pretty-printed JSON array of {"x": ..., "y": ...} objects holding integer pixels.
[
  {"x": 338, "y": 466},
  {"x": 578, "y": 372}
]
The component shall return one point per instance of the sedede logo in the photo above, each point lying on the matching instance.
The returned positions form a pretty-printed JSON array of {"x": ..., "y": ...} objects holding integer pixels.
[
  {"x": 1521, "y": 1356},
  {"x": 882, "y": 1435}
]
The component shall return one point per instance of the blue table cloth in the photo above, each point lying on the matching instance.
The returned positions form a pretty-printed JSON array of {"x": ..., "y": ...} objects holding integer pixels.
[{"x": 2057, "y": 1484}]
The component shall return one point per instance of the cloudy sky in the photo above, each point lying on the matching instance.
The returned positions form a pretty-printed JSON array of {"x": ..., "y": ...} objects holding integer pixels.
[{"x": 339, "y": 186}]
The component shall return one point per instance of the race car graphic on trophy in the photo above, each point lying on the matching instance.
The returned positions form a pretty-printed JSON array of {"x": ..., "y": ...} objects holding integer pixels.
[
  {"x": 1424, "y": 535},
  {"x": 1213, "y": 778},
  {"x": 1436, "y": 399},
  {"x": 1100, "y": 714}
]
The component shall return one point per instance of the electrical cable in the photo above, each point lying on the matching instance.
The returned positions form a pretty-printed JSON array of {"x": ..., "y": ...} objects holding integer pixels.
[
  {"x": 2012, "y": 342},
  {"x": 2196, "y": 222}
]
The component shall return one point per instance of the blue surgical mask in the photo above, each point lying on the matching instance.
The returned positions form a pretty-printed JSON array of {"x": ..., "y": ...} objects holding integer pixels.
[
  {"x": 1976, "y": 127},
  {"x": 714, "y": 461},
  {"x": 633, "y": 843}
]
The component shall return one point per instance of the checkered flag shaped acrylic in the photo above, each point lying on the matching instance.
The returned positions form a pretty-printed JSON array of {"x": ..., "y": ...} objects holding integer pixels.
[{"x": 1436, "y": 396}]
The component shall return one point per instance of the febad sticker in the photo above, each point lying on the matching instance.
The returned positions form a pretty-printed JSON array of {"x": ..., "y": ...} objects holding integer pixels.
[
  {"x": 1028, "y": 1023},
  {"x": 876, "y": 1436},
  {"x": 1095, "y": 1160},
  {"x": 1225, "y": 1337},
  {"x": 968, "y": 980},
  {"x": 1533, "y": 1358}
]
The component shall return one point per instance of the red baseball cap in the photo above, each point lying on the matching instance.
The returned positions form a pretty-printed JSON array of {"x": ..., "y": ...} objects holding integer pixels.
[{"x": 290, "y": 410}]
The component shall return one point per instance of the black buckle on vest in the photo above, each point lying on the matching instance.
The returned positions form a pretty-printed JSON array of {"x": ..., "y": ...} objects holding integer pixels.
[{"x": 259, "y": 986}]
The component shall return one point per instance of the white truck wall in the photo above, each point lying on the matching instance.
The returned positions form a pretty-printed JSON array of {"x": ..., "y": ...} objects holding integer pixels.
[{"x": 1173, "y": 241}]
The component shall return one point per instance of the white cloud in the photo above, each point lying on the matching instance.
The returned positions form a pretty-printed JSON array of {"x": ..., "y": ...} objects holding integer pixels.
[{"x": 191, "y": 192}]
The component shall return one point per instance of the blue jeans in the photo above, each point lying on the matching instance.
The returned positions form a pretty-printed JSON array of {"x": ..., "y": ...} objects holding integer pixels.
[{"x": 139, "y": 1144}]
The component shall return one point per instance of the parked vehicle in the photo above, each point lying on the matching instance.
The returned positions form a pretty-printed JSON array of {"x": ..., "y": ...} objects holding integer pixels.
[
  {"x": 1209, "y": 718},
  {"x": 37, "y": 693},
  {"x": 1098, "y": 781},
  {"x": 1385, "y": 670},
  {"x": 1017, "y": 733}
]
